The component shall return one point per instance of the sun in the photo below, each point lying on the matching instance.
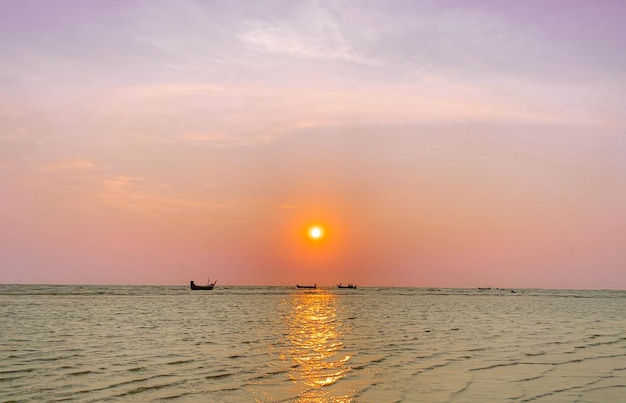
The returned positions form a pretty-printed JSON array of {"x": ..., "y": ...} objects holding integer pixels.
[{"x": 316, "y": 232}]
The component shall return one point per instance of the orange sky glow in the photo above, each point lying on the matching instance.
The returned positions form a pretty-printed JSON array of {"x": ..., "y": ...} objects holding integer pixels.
[{"x": 436, "y": 145}]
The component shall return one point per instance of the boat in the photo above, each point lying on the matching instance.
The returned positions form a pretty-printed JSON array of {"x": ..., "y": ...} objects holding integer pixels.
[
  {"x": 484, "y": 288},
  {"x": 306, "y": 286},
  {"x": 346, "y": 286},
  {"x": 209, "y": 286}
]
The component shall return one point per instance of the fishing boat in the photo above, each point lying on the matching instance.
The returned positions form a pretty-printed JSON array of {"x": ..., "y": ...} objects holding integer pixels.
[
  {"x": 209, "y": 286},
  {"x": 346, "y": 286},
  {"x": 306, "y": 286}
]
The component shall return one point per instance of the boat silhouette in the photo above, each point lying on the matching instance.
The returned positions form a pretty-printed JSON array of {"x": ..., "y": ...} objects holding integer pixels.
[{"x": 209, "y": 286}]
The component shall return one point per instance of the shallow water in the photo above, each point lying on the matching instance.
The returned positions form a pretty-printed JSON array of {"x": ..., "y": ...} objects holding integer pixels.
[{"x": 277, "y": 344}]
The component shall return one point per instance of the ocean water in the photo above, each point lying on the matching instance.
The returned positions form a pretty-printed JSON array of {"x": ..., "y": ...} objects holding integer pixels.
[{"x": 281, "y": 344}]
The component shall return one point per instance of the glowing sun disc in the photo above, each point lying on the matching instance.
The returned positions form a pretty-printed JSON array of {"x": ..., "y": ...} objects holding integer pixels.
[{"x": 316, "y": 232}]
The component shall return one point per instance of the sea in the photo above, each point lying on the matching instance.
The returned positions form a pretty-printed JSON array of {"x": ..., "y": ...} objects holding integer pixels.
[{"x": 283, "y": 344}]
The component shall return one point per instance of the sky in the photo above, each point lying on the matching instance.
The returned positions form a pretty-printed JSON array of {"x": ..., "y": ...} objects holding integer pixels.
[{"x": 439, "y": 143}]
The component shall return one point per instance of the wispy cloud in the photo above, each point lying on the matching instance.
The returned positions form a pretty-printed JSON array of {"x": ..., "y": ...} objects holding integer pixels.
[
  {"x": 289, "y": 40},
  {"x": 135, "y": 194},
  {"x": 312, "y": 33}
]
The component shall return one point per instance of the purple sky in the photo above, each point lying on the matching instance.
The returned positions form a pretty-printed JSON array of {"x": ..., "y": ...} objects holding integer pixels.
[{"x": 440, "y": 143}]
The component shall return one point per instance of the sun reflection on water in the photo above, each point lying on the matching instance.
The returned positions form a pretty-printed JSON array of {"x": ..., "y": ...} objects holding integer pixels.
[{"x": 314, "y": 348}]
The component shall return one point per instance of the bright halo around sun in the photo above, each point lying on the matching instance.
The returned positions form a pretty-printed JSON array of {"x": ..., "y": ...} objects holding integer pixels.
[{"x": 316, "y": 232}]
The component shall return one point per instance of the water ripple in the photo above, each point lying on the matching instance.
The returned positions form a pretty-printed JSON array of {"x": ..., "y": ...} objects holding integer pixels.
[{"x": 271, "y": 344}]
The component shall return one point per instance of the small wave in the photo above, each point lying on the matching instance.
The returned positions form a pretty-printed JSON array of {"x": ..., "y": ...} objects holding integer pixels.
[
  {"x": 499, "y": 365},
  {"x": 50, "y": 359},
  {"x": 16, "y": 371},
  {"x": 142, "y": 389},
  {"x": 80, "y": 373},
  {"x": 180, "y": 362},
  {"x": 12, "y": 375},
  {"x": 535, "y": 354},
  {"x": 433, "y": 366},
  {"x": 377, "y": 360},
  {"x": 604, "y": 388},
  {"x": 219, "y": 376},
  {"x": 176, "y": 396},
  {"x": 269, "y": 374},
  {"x": 551, "y": 393},
  {"x": 138, "y": 380}
]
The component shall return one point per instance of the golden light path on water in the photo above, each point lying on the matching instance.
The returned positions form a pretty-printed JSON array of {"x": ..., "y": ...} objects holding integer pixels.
[{"x": 314, "y": 336}]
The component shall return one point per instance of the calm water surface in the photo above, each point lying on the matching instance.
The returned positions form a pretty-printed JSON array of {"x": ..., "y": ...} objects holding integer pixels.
[{"x": 277, "y": 344}]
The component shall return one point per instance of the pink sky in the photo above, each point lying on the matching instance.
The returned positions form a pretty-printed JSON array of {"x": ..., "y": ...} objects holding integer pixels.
[{"x": 441, "y": 144}]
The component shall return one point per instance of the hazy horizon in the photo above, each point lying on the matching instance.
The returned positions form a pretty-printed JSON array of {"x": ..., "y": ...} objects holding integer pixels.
[
  {"x": 439, "y": 144},
  {"x": 493, "y": 291}
]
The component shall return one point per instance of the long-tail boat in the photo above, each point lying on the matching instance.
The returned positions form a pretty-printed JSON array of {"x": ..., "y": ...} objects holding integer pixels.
[{"x": 209, "y": 286}]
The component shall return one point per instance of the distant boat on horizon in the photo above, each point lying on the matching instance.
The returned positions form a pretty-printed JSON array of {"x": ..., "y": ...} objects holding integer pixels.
[
  {"x": 496, "y": 289},
  {"x": 306, "y": 286},
  {"x": 346, "y": 286},
  {"x": 209, "y": 286}
]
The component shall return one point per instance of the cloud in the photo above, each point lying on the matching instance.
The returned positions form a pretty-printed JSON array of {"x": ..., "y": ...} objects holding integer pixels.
[
  {"x": 312, "y": 33},
  {"x": 186, "y": 114},
  {"x": 288, "y": 40},
  {"x": 137, "y": 195}
]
